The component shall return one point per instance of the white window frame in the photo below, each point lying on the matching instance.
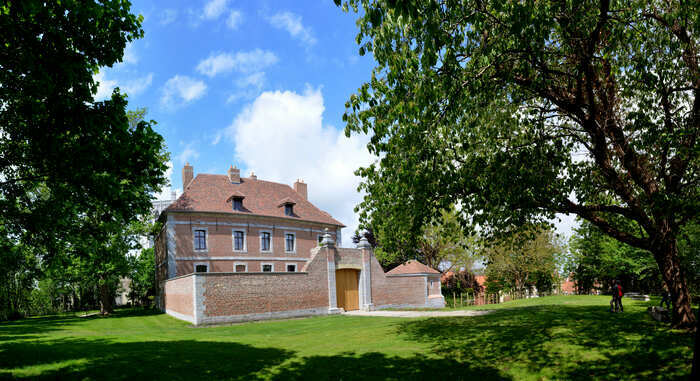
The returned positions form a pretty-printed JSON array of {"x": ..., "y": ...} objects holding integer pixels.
[
  {"x": 296, "y": 267},
  {"x": 235, "y": 264},
  {"x": 206, "y": 239},
  {"x": 272, "y": 239},
  {"x": 245, "y": 240},
  {"x": 272, "y": 265},
  {"x": 295, "y": 242},
  {"x": 194, "y": 266}
]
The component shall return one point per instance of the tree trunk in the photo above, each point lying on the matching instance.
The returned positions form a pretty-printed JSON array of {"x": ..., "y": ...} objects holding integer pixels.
[
  {"x": 667, "y": 258},
  {"x": 105, "y": 299}
]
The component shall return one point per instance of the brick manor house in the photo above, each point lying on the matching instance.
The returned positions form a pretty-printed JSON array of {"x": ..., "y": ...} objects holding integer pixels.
[{"x": 235, "y": 249}]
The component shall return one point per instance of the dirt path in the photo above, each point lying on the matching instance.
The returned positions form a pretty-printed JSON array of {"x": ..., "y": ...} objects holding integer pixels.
[{"x": 414, "y": 314}]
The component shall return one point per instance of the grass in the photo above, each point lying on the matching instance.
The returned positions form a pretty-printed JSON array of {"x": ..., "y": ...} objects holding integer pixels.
[{"x": 559, "y": 337}]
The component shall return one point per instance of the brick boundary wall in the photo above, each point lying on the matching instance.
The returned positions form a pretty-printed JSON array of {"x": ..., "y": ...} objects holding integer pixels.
[
  {"x": 211, "y": 298},
  {"x": 179, "y": 298}
]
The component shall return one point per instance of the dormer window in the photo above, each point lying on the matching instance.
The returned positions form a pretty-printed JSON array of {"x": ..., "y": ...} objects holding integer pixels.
[
  {"x": 288, "y": 205},
  {"x": 237, "y": 201}
]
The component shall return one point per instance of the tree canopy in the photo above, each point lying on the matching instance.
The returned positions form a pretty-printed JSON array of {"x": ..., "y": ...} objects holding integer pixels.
[
  {"x": 62, "y": 154},
  {"x": 518, "y": 110},
  {"x": 74, "y": 172}
]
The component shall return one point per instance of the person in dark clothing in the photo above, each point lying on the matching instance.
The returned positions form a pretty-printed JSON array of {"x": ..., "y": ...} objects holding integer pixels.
[
  {"x": 616, "y": 302},
  {"x": 666, "y": 298}
]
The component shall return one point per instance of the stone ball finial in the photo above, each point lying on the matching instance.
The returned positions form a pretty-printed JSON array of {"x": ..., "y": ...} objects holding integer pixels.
[
  {"x": 327, "y": 239},
  {"x": 364, "y": 244}
]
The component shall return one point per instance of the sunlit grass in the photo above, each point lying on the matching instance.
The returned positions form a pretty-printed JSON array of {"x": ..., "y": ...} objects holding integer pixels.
[{"x": 572, "y": 337}]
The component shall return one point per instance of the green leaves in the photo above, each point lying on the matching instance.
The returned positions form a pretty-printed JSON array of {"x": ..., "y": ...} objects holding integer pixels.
[
  {"x": 516, "y": 112},
  {"x": 80, "y": 156}
]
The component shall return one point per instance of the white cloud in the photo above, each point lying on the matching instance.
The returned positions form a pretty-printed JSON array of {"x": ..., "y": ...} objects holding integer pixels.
[
  {"x": 131, "y": 87},
  {"x": 130, "y": 57},
  {"x": 168, "y": 16},
  {"x": 180, "y": 90},
  {"x": 187, "y": 154},
  {"x": 138, "y": 85},
  {"x": 167, "y": 190},
  {"x": 234, "y": 19},
  {"x": 217, "y": 138},
  {"x": 255, "y": 80},
  {"x": 249, "y": 87},
  {"x": 213, "y": 9},
  {"x": 292, "y": 24},
  {"x": 219, "y": 63},
  {"x": 104, "y": 87},
  {"x": 281, "y": 137}
]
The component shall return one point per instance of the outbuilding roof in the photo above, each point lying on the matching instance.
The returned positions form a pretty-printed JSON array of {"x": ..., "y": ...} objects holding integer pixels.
[
  {"x": 213, "y": 193},
  {"x": 412, "y": 267}
]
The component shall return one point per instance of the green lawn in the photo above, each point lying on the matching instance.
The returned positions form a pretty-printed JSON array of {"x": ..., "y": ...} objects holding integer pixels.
[{"x": 561, "y": 337}]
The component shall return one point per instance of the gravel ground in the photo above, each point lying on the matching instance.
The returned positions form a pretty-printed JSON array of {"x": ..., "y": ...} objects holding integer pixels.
[{"x": 414, "y": 314}]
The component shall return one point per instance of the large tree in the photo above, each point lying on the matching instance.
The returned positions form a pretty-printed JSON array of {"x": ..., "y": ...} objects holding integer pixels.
[
  {"x": 62, "y": 154},
  {"x": 519, "y": 110}
]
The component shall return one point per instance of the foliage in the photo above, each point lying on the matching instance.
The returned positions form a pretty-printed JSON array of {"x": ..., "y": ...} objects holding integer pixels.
[
  {"x": 444, "y": 245},
  {"x": 18, "y": 271},
  {"x": 142, "y": 274},
  {"x": 597, "y": 260},
  {"x": 517, "y": 111},
  {"x": 463, "y": 281},
  {"x": 552, "y": 338},
  {"x": 369, "y": 235},
  {"x": 522, "y": 261},
  {"x": 63, "y": 154},
  {"x": 689, "y": 250}
]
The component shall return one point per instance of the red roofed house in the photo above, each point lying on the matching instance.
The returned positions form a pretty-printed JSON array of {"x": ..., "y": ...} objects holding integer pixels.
[{"x": 234, "y": 249}]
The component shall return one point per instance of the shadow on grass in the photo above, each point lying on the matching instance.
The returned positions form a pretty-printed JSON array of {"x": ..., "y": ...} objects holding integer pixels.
[
  {"x": 378, "y": 366},
  {"x": 106, "y": 359},
  {"x": 560, "y": 342}
]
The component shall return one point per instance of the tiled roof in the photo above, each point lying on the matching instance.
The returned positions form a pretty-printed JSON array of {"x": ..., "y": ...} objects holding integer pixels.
[
  {"x": 412, "y": 267},
  {"x": 212, "y": 193}
]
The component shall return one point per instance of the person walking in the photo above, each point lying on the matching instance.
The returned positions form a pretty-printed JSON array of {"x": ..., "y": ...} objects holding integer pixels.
[
  {"x": 666, "y": 298},
  {"x": 616, "y": 301}
]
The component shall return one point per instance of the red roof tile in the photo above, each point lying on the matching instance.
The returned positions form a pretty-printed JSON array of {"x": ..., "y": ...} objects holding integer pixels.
[
  {"x": 213, "y": 193},
  {"x": 412, "y": 267}
]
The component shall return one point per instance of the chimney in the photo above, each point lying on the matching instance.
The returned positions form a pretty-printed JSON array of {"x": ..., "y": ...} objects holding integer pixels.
[
  {"x": 300, "y": 187},
  {"x": 234, "y": 175},
  {"x": 252, "y": 176},
  {"x": 187, "y": 175}
]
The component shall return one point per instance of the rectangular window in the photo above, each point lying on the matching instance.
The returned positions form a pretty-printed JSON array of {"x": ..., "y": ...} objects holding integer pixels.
[
  {"x": 320, "y": 238},
  {"x": 200, "y": 239},
  {"x": 288, "y": 210},
  {"x": 291, "y": 268},
  {"x": 238, "y": 240},
  {"x": 201, "y": 268},
  {"x": 240, "y": 268},
  {"x": 237, "y": 204},
  {"x": 265, "y": 241},
  {"x": 289, "y": 242},
  {"x": 267, "y": 267}
]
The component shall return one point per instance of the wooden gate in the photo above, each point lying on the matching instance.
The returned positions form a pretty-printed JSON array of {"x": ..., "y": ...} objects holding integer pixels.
[{"x": 346, "y": 285}]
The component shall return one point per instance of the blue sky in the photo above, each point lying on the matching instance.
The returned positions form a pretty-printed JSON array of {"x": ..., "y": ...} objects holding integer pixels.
[{"x": 257, "y": 84}]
